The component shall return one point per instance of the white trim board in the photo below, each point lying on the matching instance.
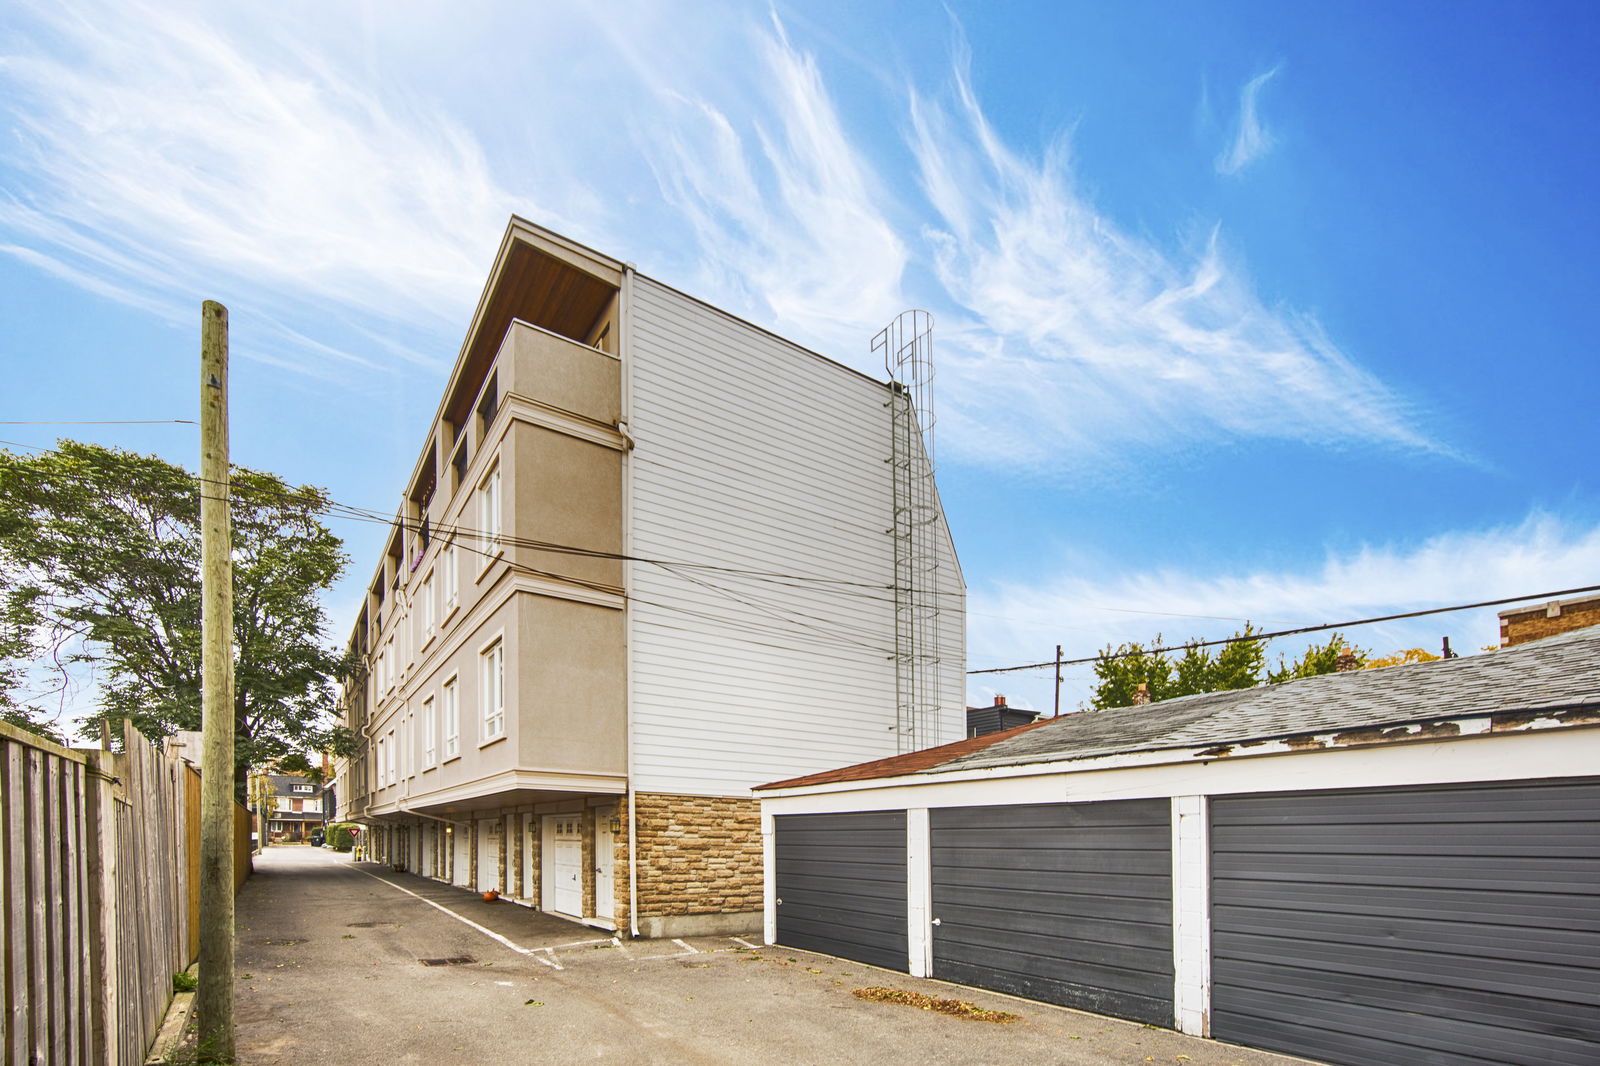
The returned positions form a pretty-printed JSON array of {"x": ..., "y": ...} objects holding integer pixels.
[{"x": 1569, "y": 752}]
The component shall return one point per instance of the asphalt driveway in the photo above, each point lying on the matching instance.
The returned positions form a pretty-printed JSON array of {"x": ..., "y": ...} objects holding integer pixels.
[{"x": 334, "y": 966}]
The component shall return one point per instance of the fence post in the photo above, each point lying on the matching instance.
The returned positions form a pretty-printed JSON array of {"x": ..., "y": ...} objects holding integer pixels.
[{"x": 100, "y": 843}]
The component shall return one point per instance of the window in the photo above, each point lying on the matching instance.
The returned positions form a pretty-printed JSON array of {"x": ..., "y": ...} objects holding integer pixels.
[
  {"x": 304, "y": 788},
  {"x": 447, "y": 578},
  {"x": 452, "y": 719},
  {"x": 386, "y": 666},
  {"x": 297, "y": 806},
  {"x": 489, "y": 511},
  {"x": 392, "y": 760},
  {"x": 382, "y": 773},
  {"x": 458, "y": 462},
  {"x": 430, "y": 728},
  {"x": 425, "y": 617},
  {"x": 488, "y": 404},
  {"x": 494, "y": 691}
]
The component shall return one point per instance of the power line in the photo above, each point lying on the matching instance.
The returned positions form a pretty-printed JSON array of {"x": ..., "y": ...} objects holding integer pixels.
[
  {"x": 844, "y": 586},
  {"x": 1292, "y": 632},
  {"x": 100, "y": 422}
]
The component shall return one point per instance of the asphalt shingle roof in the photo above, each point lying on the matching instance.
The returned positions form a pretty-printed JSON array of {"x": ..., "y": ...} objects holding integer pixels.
[{"x": 1556, "y": 673}]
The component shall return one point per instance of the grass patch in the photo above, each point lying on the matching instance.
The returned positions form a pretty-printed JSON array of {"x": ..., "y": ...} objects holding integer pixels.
[
  {"x": 955, "y": 1008},
  {"x": 183, "y": 981}
]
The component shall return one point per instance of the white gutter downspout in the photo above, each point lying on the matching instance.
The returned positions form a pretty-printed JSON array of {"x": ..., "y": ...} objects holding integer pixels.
[{"x": 625, "y": 352}]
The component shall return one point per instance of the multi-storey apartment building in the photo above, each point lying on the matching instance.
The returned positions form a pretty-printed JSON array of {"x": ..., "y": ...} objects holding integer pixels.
[{"x": 644, "y": 563}]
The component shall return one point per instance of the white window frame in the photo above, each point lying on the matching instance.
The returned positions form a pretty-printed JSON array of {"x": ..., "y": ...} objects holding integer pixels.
[
  {"x": 381, "y": 752},
  {"x": 425, "y": 617},
  {"x": 302, "y": 788},
  {"x": 393, "y": 772},
  {"x": 450, "y": 701},
  {"x": 450, "y": 589},
  {"x": 430, "y": 729},
  {"x": 489, "y": 508},
  {"x": 492, "y": 689}
]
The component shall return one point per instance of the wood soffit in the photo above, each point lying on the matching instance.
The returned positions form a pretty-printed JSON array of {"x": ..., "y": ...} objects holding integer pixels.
[{"x": 535, "y": 287}]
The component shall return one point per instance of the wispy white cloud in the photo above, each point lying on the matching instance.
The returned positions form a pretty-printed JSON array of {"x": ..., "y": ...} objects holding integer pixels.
[
  {"x": 162, "y": 153},
  {"x": 783, "y": 205},
  {"x": 1013, "y": 623},
  {"x": 1072, "y": 340},
  {"x": 1251, "y": 140}
]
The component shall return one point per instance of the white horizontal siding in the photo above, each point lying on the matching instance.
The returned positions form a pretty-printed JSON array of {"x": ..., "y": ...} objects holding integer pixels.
[{"x": 751, "y": 453}]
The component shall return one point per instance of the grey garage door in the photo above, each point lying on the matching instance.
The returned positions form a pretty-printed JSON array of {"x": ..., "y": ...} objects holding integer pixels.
[
  {"x": 1410, "y": 926},
  {"x": 841, "y": 885},
  {"x": 1066, "y": 903}
]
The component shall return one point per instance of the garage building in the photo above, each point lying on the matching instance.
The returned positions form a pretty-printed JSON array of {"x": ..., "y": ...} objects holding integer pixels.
[{"x": 1384, "y": 866}]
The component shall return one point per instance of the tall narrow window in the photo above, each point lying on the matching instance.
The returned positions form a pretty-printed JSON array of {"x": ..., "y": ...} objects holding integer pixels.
[
  {"x": 430, "y": 729},
  {"x": 448, "y": 578},
  {"x": 488, "y": 404},
  {"x": 452, "y": 718},
  {"x": 391, "y": 777},
  {"x": 494, "y": 691},
  {"x": 381, "y": 768},
  {"x": 489, "y": 511},
  {"x": 425, "y": 616}
]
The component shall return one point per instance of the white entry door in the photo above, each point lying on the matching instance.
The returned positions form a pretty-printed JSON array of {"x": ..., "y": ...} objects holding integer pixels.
[
  {"x": 561, "y": 865},
  {"x": 605, "y": 884},
  {"x": 425, "y": 852},
  {"x": 488, "y": 854}
]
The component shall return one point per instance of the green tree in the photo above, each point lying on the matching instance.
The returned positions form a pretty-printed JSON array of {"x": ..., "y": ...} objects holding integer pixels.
[
  {"x": 1317, "y": 659},
  {"x": 100, "y": 565},
  {"x": 1123, "y": 669}
]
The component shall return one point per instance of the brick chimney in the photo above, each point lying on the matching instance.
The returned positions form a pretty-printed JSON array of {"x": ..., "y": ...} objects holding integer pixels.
[
  {"x": 999, "y": 701},
  {"x": 1347, "y": 660},
  {"x": 1141, "y": 696}
]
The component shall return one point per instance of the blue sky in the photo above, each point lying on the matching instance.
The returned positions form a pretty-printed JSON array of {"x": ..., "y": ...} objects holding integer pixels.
[{"x": 1270, "y": 311}]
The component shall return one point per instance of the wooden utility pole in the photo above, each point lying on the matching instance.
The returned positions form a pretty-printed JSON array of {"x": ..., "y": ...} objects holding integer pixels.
[{"x": 214, "y": 1003}]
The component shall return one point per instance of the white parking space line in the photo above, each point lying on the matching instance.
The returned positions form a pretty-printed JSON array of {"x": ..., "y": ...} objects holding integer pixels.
[
  {"x": 746, "y": 943},
  {"x": 490, "y": 933},
  {"x": 686, "y": 948},
  {"x": 585, "y": 943}
]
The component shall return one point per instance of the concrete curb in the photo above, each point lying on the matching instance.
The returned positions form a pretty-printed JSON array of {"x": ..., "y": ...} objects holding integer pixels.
[{"x": 170, "y": 1035}]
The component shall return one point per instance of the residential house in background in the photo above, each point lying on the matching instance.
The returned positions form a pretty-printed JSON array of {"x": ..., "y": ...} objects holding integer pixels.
[
  {"x": 1518, "y": 625},
  {"x": 296, "y": 805},
  {"x": 981, "y": 721},
  {"x": 644, "y": 563}
]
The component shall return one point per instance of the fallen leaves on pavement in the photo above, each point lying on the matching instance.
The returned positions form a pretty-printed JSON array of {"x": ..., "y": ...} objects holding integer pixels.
[{"x": 956, "y": 1008}]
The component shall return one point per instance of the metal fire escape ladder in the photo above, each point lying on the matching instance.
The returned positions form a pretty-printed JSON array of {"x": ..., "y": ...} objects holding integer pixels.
[{"x": 907, "y": 348}]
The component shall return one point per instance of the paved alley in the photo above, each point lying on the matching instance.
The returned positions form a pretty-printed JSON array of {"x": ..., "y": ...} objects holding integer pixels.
[{"x": 334, "y": 967}]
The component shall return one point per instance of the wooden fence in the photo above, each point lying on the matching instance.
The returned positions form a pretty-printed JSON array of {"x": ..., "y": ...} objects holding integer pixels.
[{"x": 99, "y": 896}]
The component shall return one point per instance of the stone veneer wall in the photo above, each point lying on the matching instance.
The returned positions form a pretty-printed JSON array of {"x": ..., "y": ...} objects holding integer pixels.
[{"x": 696, "y": 855}]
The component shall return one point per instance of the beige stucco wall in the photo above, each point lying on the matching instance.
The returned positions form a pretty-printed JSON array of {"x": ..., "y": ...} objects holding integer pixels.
[
  {"x": 555, "y": 443},
  {"x": 570, "y": 689}
]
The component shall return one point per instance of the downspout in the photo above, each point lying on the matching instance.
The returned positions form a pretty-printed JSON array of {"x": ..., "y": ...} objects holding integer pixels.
[{"x": 625, "y": 352}]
